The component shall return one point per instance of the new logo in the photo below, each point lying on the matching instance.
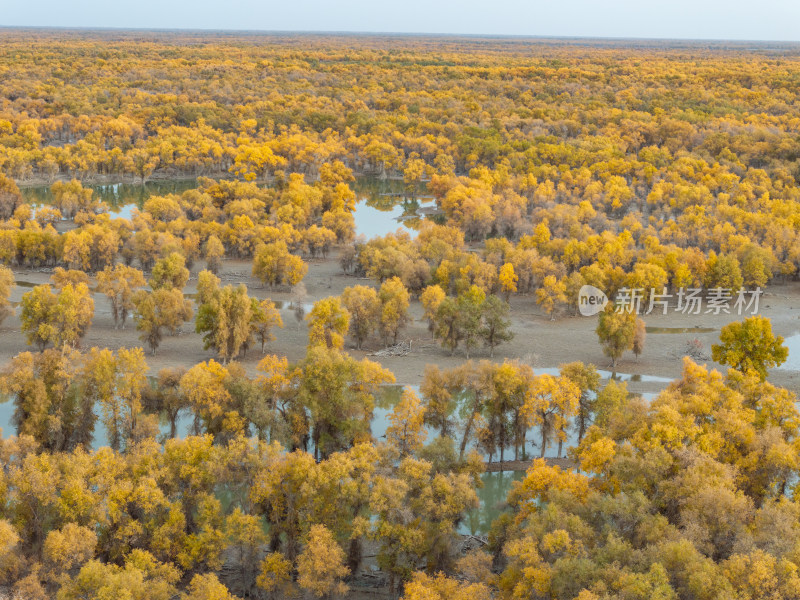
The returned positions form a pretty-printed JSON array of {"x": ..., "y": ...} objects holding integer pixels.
[{"x": 591, "y": 300}]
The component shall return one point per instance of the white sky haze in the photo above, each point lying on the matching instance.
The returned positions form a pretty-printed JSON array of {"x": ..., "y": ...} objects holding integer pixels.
[{"x": 699, "y": 19}]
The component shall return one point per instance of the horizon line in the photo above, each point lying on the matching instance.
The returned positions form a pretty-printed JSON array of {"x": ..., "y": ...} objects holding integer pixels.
[{"x": 355, "y": 33}]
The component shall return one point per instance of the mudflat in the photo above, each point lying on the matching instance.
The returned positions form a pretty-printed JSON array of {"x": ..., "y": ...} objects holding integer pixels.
[{"x": 538, "y": 340}]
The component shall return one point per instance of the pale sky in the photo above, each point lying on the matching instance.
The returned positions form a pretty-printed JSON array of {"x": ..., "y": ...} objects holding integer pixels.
[{"x": 686, "y": 19}]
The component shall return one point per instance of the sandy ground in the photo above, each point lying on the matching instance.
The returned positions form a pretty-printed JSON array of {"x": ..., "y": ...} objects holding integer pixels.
[{"x": 538, "y": 340}]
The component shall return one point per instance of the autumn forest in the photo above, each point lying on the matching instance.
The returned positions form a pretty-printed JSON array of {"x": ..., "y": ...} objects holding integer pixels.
[{"x": 303, "y": 316}]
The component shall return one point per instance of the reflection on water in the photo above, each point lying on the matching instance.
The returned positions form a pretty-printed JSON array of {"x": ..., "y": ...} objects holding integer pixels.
[
  {"x": 385, "y": 400},
  {"x": 184, "y": 424},
  {"x": 290, "y": 306},
  {"x": 383, "y": 204},
  {"x": 492, "y": 497},
  {"x": 679, "y": 329},
  {"x": 6, "y": 412},
  {"x": 118, "y": 195},
  {"x": 604, "y": 374}
]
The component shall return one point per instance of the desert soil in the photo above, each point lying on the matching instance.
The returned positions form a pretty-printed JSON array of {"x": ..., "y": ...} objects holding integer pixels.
[{"x": 538, "y": 340}]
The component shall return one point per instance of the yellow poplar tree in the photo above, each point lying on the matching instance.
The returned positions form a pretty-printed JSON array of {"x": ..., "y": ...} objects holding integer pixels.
[
  {"x": 328, "y": 322},
  {"x": 6, "y": 283},
  {"x": 507, "y": 279},
  {"x": 394, "y": 298},
  {"x": 320, "y": 567},
  {"x": 550, "y": 403},
  {"x": 407, "y": 431}
]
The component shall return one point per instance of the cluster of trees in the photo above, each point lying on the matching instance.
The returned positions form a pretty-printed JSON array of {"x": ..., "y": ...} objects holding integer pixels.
[
  {"x": 553, "y": 166},
  {"x": 438, "y": 255},
  {"x": 230, "y": 319},
  {"x": 610, "y": 174},
  {"x": 140, "y": 518},
  {"x": 495, "y": 405},
  {"x": 217, "y": 219},
  {"x": 384, "y": 310},
  {"x": 148, "y": 522},
  {"x": 467, "y": 319},
  {"x": 689, "y": 496}
]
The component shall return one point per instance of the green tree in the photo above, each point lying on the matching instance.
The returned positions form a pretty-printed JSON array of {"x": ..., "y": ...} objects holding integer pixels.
[
  {"x": 587, "y": 379},
  {"x": 49, "y": 404},
  {"x": 495, "y": 325},
  {"x": 338, "y": 393},
  {"x": 469, "y": 306},
  {"x": 224, "y": 319},
  {"x": 117, "y": 382},
  {"x": 165, "y": 397},
  {"x": 169, "y": 272},
  {"x": 365, "y": 311},
  {"x": 61, "y": 319},
  {"x": 723, "y": 271},
  {"x": 448, "y": 324},
  {"x": 616, "y": 331},
  {"x": 158, "y": 311},
  {"x": 245, "y": 536}
]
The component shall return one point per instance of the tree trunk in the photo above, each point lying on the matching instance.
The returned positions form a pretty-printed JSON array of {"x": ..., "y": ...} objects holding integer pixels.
[
  {"x": 354, "y": 554},
  {"x": 544, "y": 438},
  {"x": 173, "y": 425},
  {"x": 467, "y": 431}
]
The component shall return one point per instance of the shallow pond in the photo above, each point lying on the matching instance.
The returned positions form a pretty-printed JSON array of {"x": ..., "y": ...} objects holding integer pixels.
[
  {"x": 793, "y": 362},
  {"x": 492, "y": 495},
  {"x": 679, "y": 329},
  {"x": 382, "y": 205}
]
